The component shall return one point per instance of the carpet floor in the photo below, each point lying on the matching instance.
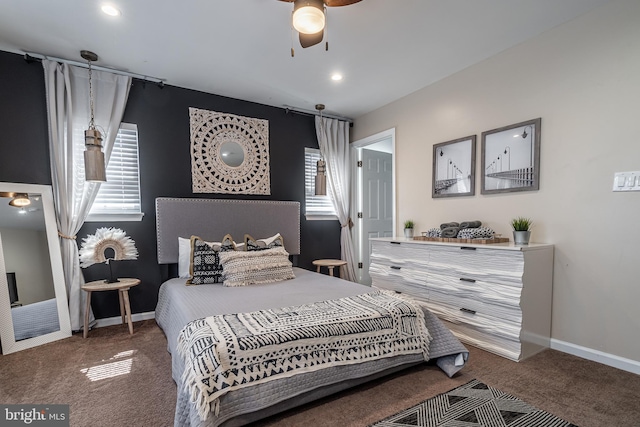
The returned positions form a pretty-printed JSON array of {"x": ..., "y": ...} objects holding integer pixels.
[{"x": 112, "y": 378}]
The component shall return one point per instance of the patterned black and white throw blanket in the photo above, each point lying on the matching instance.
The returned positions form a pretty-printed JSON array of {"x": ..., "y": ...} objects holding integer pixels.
[{"x": 227, "y": 352}]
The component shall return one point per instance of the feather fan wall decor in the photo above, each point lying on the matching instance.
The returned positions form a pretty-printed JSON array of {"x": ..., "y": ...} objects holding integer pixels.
[{"x": 94, "y": 247}]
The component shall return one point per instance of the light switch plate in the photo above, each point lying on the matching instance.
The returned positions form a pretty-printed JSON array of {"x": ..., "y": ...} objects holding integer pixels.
[{"x": 626, "y": 181}]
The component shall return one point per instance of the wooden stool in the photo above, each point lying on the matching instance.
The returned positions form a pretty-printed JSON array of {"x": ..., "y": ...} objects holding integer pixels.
[
  {"x": 330, "y": 264},
  {"x": 123, "y": 295}
]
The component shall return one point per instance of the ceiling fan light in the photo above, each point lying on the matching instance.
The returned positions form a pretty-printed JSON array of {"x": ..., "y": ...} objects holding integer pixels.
[
  {"x": 308, "y": 19},
  {"x": 20, "y": 200}
]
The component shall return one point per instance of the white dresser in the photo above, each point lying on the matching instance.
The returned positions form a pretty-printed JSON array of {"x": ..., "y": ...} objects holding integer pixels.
[{"x": 496, "y": 297}]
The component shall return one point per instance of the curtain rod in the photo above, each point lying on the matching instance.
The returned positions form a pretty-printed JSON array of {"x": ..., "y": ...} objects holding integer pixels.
[
  {"x": 288, "y": 108},
  {"x": 29, "y": 57}
]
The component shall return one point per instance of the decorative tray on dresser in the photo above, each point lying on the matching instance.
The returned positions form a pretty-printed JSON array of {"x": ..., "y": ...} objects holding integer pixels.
[{"x": 496, "y": 297}]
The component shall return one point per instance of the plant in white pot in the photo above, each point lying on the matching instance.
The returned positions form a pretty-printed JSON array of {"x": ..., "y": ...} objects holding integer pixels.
[
  {"x": 408, "y": 229},
  {"x": 521, "y": 230}
]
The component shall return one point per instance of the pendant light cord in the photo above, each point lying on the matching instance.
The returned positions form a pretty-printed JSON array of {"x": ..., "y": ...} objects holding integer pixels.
[{"x": 91, "y": 120}]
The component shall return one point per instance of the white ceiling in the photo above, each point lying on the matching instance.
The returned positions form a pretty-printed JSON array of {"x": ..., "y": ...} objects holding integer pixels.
[{"x": 241, "y": 48}]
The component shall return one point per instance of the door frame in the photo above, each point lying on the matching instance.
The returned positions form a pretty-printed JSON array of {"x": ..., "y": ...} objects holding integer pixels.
[{"x": 356, "y": 187}]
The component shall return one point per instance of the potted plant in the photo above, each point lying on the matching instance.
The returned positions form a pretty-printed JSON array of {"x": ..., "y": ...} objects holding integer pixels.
[
  {"x": 408, "y": 229},
  {"x": 521, "y": 230}
]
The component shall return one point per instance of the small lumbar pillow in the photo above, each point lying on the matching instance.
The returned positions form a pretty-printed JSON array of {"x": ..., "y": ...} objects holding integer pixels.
[
  {"x": 205, "y": 267},
  {"x": 255, "y": 267},
  {"x": 251, "y": 244}
]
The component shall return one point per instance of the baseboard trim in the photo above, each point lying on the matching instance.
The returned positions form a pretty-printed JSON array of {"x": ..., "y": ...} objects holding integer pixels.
[
  {"x": 136, "y": 317},
  {"x": 597, "y": 356}
]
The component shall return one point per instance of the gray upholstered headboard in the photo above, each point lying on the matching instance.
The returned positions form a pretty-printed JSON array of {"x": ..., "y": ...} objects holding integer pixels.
[{"x": 211, "y": 219}]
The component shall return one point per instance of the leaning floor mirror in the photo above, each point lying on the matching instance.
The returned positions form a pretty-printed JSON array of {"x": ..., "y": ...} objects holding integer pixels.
[{"x": 33, "y": 297}]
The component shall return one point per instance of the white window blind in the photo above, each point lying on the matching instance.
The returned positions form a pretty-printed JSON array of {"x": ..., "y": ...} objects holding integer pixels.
[
  {"x": 119, "y": 197},
  {"x": 316, "y": 207}
]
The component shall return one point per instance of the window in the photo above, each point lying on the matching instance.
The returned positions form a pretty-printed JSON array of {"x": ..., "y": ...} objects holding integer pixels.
[
  {"x": 119, "y": 198},
  {"x": 316, "y": 207}
]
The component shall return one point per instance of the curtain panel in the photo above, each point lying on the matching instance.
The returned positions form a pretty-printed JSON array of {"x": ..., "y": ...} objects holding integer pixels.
[
  {"x": 68, "y": 111},
  {"x": 333, "y": 139}
]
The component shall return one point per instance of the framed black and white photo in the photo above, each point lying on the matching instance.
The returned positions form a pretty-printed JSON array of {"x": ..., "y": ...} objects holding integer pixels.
[
  {"x": 454, "y": 167},
  {"x": 511, "y": 158}
]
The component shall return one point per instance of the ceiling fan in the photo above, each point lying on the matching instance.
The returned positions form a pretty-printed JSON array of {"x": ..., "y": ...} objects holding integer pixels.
[{"x": 309, "y": 19}]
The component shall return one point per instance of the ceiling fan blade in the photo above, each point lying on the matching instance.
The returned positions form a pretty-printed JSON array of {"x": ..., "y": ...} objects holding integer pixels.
[
  {"x": 332, "y": 3},
  {"x": 307, "y": 40},
  {"x": 335, "y": 3}
]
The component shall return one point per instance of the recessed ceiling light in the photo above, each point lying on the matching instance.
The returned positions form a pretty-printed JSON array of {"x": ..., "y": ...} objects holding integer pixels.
[
  {"x": 336, "y": 77},
  {"x": 110, "y": 10}
]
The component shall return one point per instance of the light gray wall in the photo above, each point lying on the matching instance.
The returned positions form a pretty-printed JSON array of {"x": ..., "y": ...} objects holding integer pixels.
[{"x": 583, "y": 79}]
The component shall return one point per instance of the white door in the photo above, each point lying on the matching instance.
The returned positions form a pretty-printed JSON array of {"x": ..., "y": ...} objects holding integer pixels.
[
  {"x": 377, "y": 203},
  {"x": 374, "y": 216}
]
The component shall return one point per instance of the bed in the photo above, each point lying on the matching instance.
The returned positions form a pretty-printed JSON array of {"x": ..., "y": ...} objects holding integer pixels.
[
  {"x": 35, "y": 319},
  {"x": 179, "y": 307}
]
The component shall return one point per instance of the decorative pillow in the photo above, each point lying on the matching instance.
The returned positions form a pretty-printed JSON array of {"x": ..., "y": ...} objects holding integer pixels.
[
  {"x": 255, "y": 267},
  {"x": 184, "y": 257},
  {"x": 205, "y": 264},
  {"x": 251, "y": 244}
]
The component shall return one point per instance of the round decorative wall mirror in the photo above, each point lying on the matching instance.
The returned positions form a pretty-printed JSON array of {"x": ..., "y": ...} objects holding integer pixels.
[{"x": 231, "y": 153}]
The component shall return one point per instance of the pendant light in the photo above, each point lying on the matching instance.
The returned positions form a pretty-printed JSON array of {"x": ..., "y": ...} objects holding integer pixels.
[
  {"x": 94, "y": 169},
  {"x": 321, "y": 166}
]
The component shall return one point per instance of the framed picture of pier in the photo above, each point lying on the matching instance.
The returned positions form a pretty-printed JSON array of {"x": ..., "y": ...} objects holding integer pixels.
[
  {"x": 511, "y": 158},
  {"x": 454, "y": 168}
]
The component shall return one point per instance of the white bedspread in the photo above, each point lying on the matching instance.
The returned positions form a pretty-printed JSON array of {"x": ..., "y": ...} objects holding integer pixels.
[{"x": 233, "y": 351}]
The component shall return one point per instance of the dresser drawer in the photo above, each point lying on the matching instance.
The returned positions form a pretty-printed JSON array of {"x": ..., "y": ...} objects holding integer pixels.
[
  {"x": 502, "y": 346},
  {"x": 402, "y": 279},
  {"x": 500, "y": 296},
  {"x": 400, "y": 254},
  {"x": 479, "y": 321},
  {"x": 488, "y": 265}
]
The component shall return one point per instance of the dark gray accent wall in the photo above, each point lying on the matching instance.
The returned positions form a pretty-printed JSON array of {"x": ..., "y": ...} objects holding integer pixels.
[{"x": 162, "y": 116}]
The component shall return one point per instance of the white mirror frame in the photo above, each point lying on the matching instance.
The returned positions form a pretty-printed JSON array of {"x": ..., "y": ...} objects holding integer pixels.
[{"x": 7, "y": 336}]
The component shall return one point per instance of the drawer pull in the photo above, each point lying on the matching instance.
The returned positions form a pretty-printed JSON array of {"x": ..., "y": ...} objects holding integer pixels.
[
  {"x": 464, "y": 279},
  {"x": 395, "y": 267},
  {"x": 466, "y": 310},
  {"x": 395, "y": 243},
  {"x": 466, "y": 248}
]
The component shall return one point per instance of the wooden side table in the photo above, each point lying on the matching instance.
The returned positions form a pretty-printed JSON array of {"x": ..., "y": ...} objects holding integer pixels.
[
  {"x": 330, "y": 264},
  {"x": 122, "y": 287}
]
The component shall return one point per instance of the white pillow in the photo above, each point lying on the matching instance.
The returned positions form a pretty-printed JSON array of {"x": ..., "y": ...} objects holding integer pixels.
[{"x": 184, "y": 257}]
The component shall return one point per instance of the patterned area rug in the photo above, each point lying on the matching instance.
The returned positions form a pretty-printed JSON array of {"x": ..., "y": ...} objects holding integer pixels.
[{"x": 473, "y": 404}]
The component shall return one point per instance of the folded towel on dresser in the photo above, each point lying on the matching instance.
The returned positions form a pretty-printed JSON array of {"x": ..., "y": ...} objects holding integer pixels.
[
  {"x": 450, "y": 232},
  {"x": 476, "y": 233},
  {"x": 432, "y": 232},
  {"x": 470, "y": 224},
  {"x": 449, "y": 225}
]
